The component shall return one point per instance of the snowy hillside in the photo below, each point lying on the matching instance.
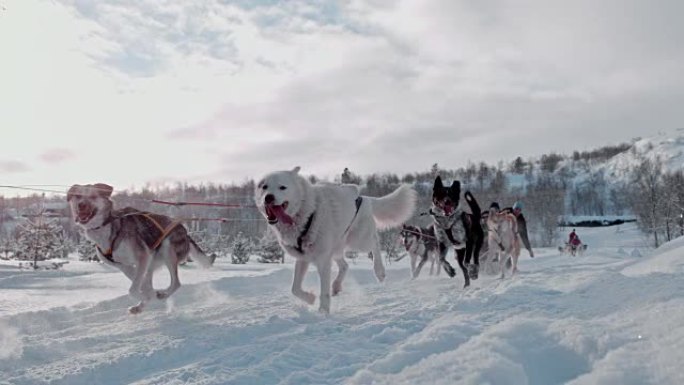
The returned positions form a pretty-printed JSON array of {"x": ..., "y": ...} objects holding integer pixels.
[
  {"x": 605, "y": 317},
  {"x": 668, "y": 147}
]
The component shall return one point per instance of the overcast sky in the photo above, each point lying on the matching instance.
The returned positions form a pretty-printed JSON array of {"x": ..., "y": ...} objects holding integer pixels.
[{"x": 135, "y": 91}]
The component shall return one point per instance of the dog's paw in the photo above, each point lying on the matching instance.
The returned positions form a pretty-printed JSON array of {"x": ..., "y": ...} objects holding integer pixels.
[
  {"x": 336, "y": 288},
  {"x": 309, "y": 298},
  {"x": 161, "y": 294},
  {"x": 473, "y": 271},
  {"x": 380, "y": 274},
  {"x": 324, "y": 310},
  {"x": 135, "y": 309},
  {"x": 466, "y": 284}
]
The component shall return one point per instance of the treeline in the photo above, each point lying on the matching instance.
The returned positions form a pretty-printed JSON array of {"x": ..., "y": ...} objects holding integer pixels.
[{"x": 547, "y": 187}]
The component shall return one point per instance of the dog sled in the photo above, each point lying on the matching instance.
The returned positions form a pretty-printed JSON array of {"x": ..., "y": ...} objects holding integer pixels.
[{"x": 573, "y": 249}]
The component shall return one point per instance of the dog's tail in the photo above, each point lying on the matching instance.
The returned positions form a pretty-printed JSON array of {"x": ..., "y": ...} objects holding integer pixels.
[
  {"x": 395, "y": 208},
  {"x": 196, "y": 254}
]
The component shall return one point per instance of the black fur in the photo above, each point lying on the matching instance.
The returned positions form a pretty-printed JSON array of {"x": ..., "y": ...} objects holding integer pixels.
[{"x": 448, "y": 197}]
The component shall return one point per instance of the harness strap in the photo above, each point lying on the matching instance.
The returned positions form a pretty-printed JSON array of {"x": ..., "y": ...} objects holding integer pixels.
[
  {"x": 309, "y": 221},
  {"x": 301, "y": 236},
  {"x": 357, "y": 202},
  {"x": 109, "y": 254},
  {"x": 165, "y": 233},
  {"x": 498, "y": 236}
]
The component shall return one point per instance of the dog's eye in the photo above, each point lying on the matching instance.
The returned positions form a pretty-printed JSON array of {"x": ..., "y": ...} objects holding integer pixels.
[
  {"x": 283, "y": 187},
  {"x": 264, "y": 187}
]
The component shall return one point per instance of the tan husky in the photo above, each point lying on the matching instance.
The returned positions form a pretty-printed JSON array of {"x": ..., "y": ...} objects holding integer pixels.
[{"x": 135, "y": 242}]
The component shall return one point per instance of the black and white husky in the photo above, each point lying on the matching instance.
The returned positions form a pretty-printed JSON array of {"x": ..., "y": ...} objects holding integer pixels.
[
  {"x": 457, "y": 229},
  {"x": 422, "y": 246}
]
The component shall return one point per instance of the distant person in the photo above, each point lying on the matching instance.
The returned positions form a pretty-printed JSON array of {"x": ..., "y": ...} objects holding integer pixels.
[
  {"x": 516, "y": 210},
  {"x": 573, "y": 239}
]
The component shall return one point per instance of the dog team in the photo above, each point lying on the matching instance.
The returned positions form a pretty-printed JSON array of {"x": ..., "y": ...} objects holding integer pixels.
[{"x": 315, "y": 224}]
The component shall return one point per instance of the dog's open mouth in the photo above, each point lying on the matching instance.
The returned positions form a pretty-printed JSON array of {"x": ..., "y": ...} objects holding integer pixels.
[
  {"x": 275, "y": 213},
  {"x": 85, "y": 215},
  {"x": 447, "y": 208}
]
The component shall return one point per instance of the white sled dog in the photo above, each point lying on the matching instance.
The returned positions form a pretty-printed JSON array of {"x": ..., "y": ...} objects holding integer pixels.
[
  {"x": 317, "y": 223},
  {"x": 136, "y": 242}
]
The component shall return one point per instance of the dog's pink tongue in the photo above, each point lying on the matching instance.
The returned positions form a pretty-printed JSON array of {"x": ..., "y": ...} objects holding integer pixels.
[{"x": 282, "y": 216}]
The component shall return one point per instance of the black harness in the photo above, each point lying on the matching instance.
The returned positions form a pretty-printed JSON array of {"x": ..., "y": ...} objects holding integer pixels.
[
  {"x": 301, "y": 236},
  {"x": 309, "y": 221}
]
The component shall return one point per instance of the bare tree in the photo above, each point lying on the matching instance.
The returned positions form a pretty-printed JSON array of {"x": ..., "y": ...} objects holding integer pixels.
[
  {"x": 647, "y": 197},
  {"x": 673, "y": 207},
  {"x": 544, "y": 206}
]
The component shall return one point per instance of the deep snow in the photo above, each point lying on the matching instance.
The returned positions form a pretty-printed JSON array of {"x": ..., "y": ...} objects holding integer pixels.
[{"x": 606, "y": 317}]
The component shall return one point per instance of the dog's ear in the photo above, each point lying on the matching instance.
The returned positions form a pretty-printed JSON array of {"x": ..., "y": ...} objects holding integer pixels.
[
  {"x": 456, "y": 188},
  {"x": 296, "y": 170},
  {"x": 104, "y": 190},
  {"x": 72, "y": 191},
  {"x": 438, "y": 184}
]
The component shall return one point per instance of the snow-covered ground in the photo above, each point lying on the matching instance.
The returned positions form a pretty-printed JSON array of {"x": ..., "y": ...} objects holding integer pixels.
[{"x": 606, "y": 317}]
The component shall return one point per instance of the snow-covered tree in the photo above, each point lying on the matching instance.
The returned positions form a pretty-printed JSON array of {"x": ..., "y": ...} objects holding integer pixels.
[
  {"x": 543, "y": 207},
  {"x": 39, "y": 239},
  {"x": 205, "y": 240},
  {"x": 647, "y": 197},
  {"x": 86, "y": 251},
  {"x": 66, "y": 246},
  {"x": 673, "y": 208},
  {"x": 269, "y": 250},
  {"x": 7, "y": 246},
  {"x": 241, "y": 249},
  {"x": 389, "y": 243},
  {"x": 223, "y": 245}
]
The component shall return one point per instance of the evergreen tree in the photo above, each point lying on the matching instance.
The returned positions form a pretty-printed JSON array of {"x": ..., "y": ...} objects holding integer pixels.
[
  {"x": 241, "y": 249},
  {"x": 39, "y": 239},
  {"x": 269, "y": 250},
  {"x": 86, "y": 251},
  {"x": 389, "y": 243},
  {"x": 518, "y": 166},
  {"x": 7, "y": 246},
  {"x": 434, "y": 170}
]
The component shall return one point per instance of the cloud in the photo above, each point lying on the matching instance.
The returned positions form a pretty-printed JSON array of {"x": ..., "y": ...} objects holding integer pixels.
[
  {"x": 13, "y": 166},
  {"x": 57, "y": 155},
  {"x": 234, "y": 88},
  {"x": 456, "y": 81}
]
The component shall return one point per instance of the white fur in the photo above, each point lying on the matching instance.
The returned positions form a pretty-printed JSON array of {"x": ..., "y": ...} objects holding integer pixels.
[{"x": 336, "y": 226}]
